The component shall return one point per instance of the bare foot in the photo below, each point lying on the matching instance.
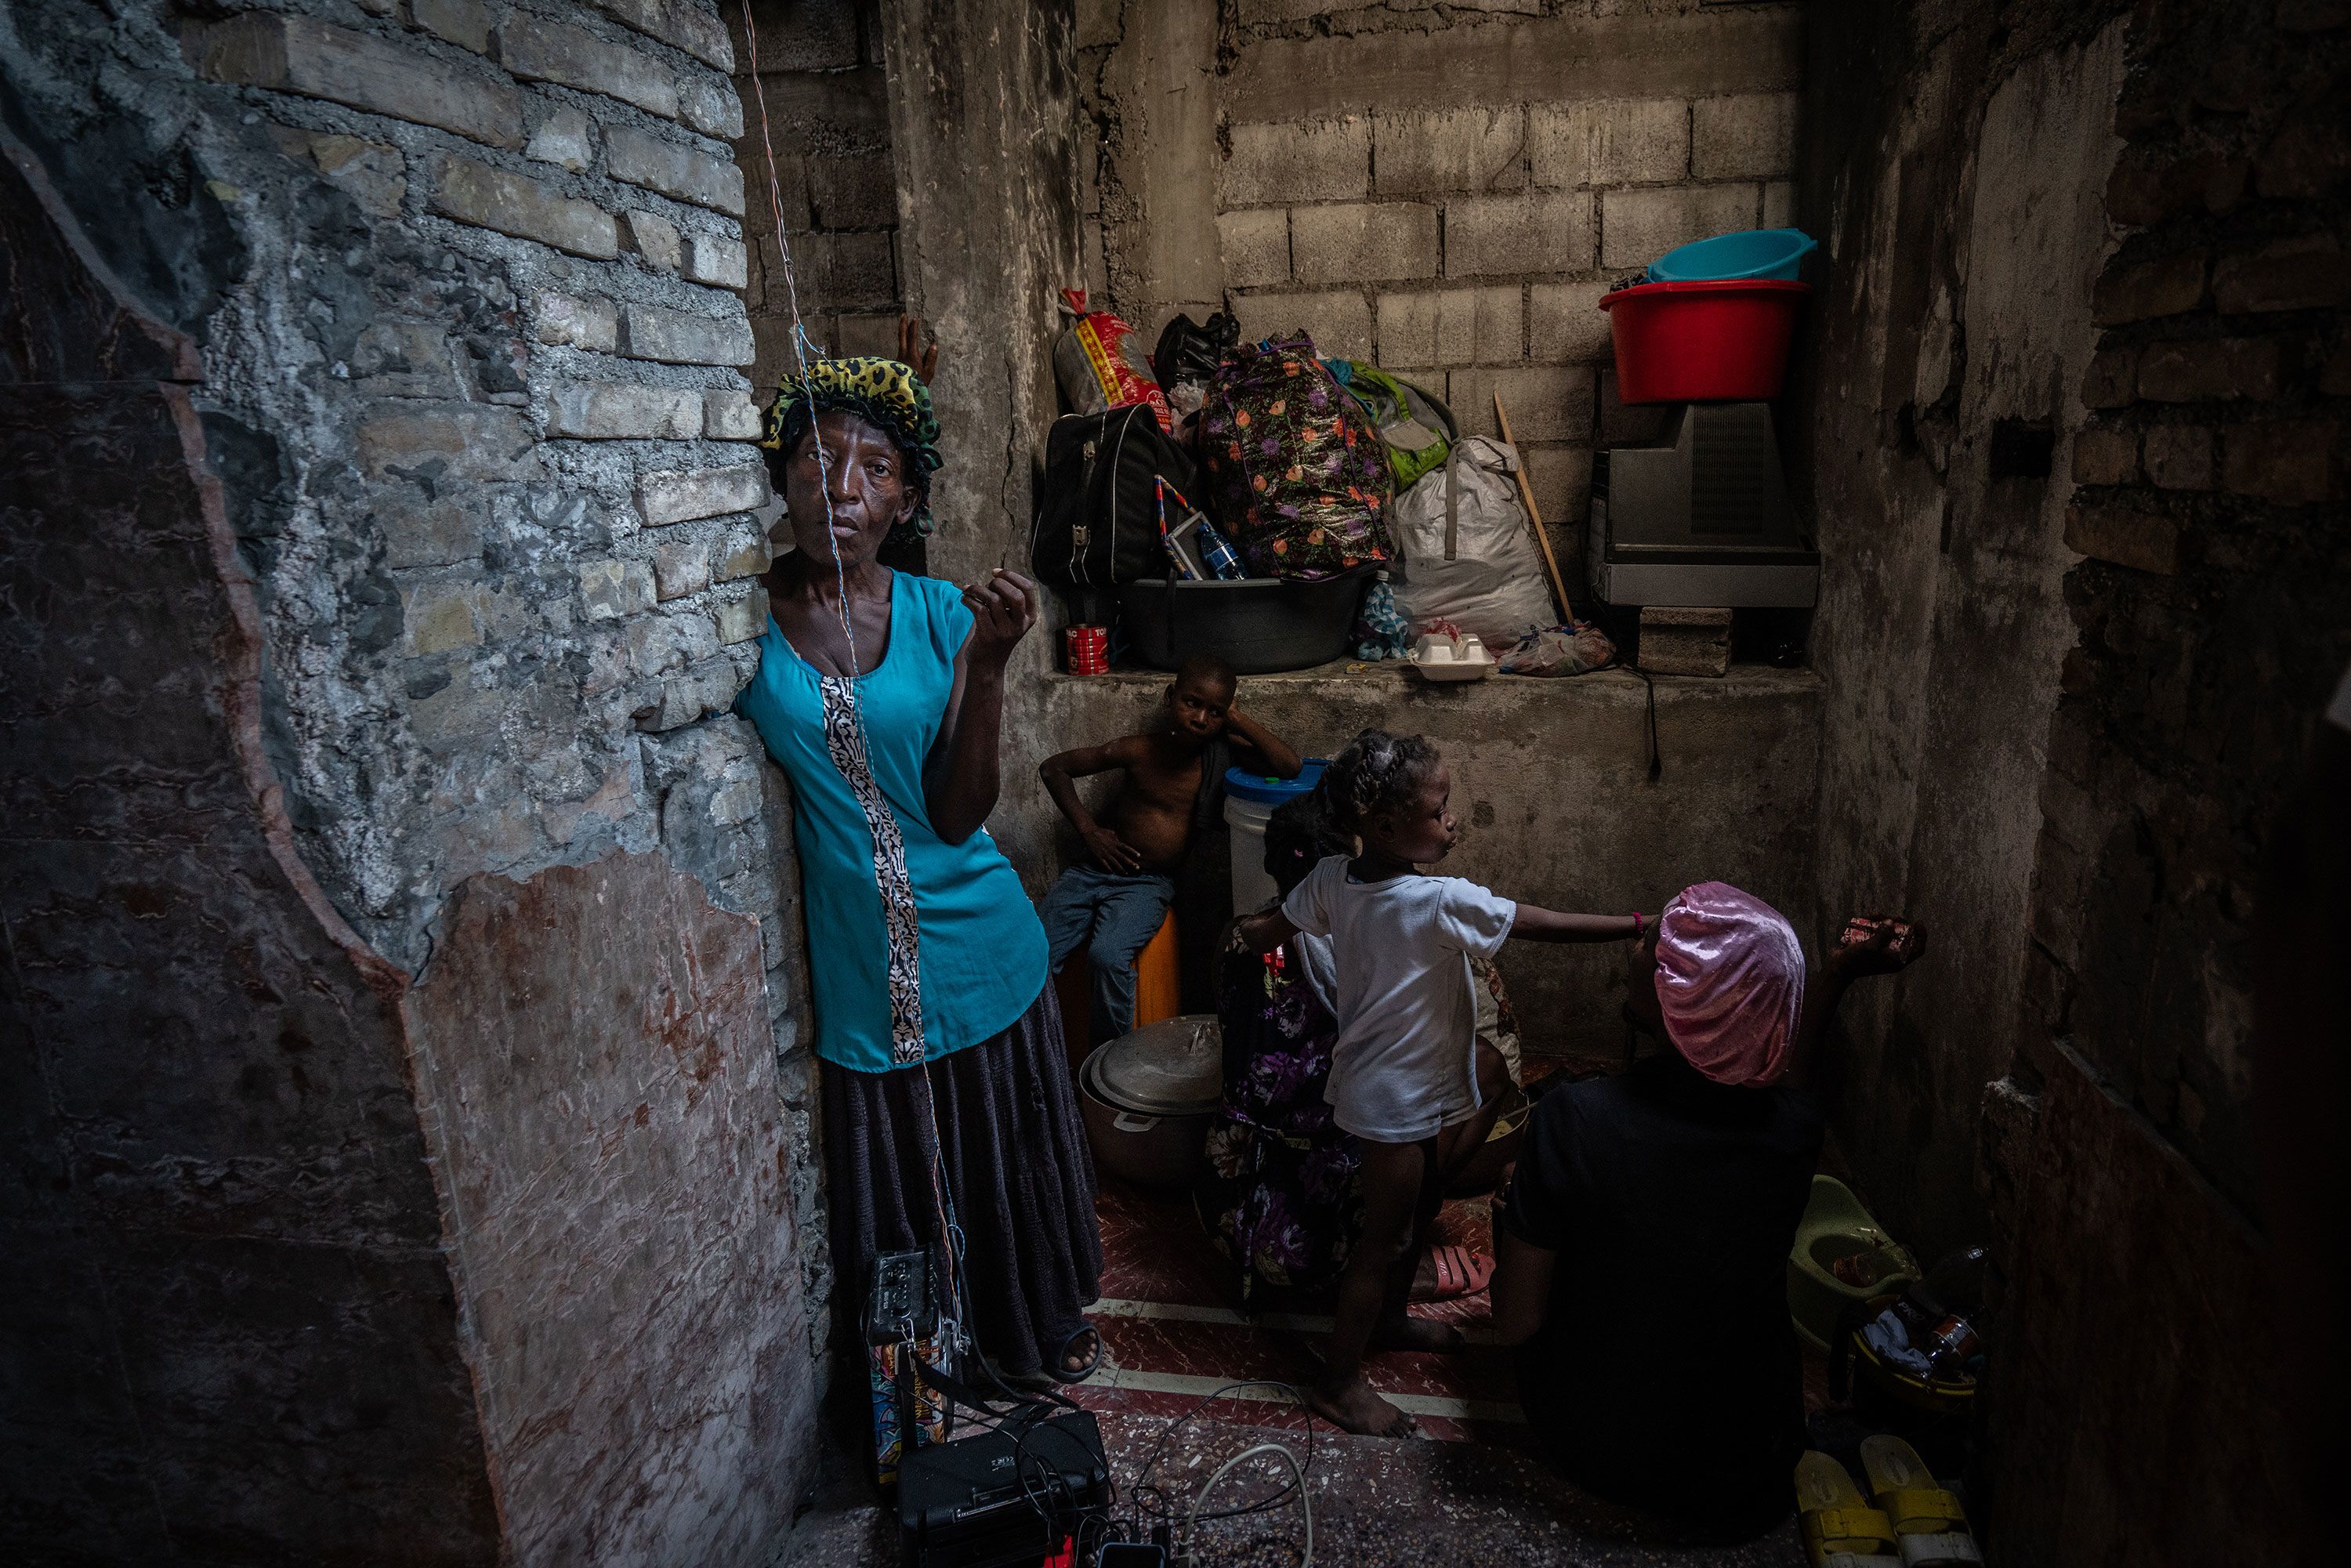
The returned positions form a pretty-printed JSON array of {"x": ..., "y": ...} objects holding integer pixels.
[
  {"x": 1353, "y": 1407},
  {"x": 1417, "y": 1333},
  {"x": 1079, "y": 1355}
]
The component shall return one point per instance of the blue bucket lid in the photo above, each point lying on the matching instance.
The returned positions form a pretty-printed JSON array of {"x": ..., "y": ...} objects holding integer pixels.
[{"x": 1268, "y": 791}]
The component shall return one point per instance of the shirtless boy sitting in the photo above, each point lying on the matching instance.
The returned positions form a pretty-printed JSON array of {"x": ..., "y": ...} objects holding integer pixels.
[{"x": 1175, "y": 775}]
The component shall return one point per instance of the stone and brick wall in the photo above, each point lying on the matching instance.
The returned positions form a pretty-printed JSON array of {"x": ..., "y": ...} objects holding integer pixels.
[
  {"x": 835, "y": 180},
  {"x": 1447, "y": 191},
  {"x": 465, "y": 279}
]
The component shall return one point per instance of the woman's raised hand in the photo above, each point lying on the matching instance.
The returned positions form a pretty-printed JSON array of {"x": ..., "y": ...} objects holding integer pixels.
[{"x": 1002, "y": 609}]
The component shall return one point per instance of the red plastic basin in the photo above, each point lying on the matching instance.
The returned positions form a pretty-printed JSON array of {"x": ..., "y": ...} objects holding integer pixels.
[{"x": 1714, "y": 341}]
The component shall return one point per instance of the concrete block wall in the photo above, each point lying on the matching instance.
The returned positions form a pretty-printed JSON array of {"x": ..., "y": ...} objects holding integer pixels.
[
  {"x": 467, "y": 277},
  {"x": 820, "y": 75},
  {"x": 1449, "y": 190}
]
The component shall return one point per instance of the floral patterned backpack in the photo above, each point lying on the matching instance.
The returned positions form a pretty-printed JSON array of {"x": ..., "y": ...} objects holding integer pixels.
[{"x": 1300, "y": 476}]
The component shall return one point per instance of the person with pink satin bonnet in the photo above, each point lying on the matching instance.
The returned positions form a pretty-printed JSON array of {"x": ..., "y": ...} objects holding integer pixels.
[{"x": 1642, "y": 1245}]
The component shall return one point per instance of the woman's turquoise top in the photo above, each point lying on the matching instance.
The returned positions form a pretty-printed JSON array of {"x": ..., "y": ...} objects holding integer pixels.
[{"x": 919, "y": 946}]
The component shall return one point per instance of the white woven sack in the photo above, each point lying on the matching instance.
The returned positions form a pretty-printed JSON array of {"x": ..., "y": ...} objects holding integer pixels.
[{"x": 1467, "y": 555}]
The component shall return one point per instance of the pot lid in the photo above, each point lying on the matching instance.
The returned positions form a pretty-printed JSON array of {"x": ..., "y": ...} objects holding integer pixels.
[{"x": 1174, "y": 1068}]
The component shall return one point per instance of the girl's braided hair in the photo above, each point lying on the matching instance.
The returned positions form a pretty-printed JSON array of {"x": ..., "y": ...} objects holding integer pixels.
[{"x": 1377, "y": 772}]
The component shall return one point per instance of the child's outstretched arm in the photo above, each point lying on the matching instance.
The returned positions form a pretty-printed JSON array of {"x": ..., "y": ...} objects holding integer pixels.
[
  {"x": 1110, "y": 852},
  {"x": 1536, "y": 923},
  {"x": 1279, "y": 760},
  {"x": 1262, "y": 933}
]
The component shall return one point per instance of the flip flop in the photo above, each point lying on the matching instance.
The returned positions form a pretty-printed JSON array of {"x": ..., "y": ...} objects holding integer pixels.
[
  {"x": 1840, "y": 1529},
  {"x": 1928, "y": 1523},
  {"x": 1459, "y": 1272}
]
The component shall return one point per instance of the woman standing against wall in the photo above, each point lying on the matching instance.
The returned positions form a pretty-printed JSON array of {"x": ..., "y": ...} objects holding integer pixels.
[{"x": 881, "y": 694}]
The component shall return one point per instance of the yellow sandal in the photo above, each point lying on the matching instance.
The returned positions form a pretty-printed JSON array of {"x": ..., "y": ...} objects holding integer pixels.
[
  {"x": 1841, "y": 1530},
  {"x": 1929, "y": 1525}
]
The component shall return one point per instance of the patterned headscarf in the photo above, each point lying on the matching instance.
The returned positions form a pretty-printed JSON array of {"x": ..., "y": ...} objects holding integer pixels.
[
  {"x": 883, "y": 391},
  {"x": 1730, "y": 983}
]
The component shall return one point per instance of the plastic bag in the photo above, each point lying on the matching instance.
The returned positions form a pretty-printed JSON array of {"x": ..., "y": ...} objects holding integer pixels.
[
  {"x": 1381, "y": 630},
  {"x": 1468, "y": 558},
  {"x": 1573, "y": 648},
  {"x": 1100, "y": 363}
]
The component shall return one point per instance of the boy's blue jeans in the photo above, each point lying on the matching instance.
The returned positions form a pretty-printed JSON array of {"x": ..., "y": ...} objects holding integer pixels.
[{"x": 1121, "y": 913}]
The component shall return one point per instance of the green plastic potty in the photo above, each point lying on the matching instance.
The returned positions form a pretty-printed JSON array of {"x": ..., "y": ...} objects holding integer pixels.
[{"x": 1835, "y": 1226}]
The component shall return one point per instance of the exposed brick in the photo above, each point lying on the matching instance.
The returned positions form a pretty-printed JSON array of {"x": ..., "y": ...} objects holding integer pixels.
[
  {"x": 1561, "y": 478},
  {"x": 2105, "y": 457},
  {"x": 854, "y": 192},
  {"x": 447, "y": 441},
  {"x": 1339, "y": 321},
  {"x": 654, "y": 239},
  {"x": 679, "y": 498},
  {"x": 683, "y": 338},
  {"x": 2293, "y": 461},
  {"x": 439, "y": 618},
  {"x": 300, "y": 55},
  {"x": 1363, "y": 242},
  {"x": 563, "y": 138},
  {"x": 1451, "y": 326},
  {"x": 1489, "y": 235},
  {"x": 1439, "y": 150},
  {"x": 375, "y": 175},
  {"x": 742, "y": 614},
  {"x": 2124, "y": 532},
  {"x": 577, "y": 323},
  {"x": 2306, "y": 160},
  {"x": 540, "y": 50},
  {"x": 1319, "y": 161},
  {"x": 464, "y": 23},
  {"x": 1622, "y": 423},
  {"x": 680, "y": 568},
  {"x": 841, "y": 269},
  {"x": 1779, "y": 205},
  {"x": 2146, "y": 188},
  {"x": 2112, "y": 379},
  {"x": 518, "y": 205},
  {"x": 748, "y": 556},
  {"x": 1749, "y": 136},
  {"x": 1566, "y": 323},
  {"x": 2212, "y": 369},
  {"x": 728, "y": 415},
  {"x": 1547, "y": 403},
  {"x": 1610, "y": 141},
  {"x": 710, "y": 105},
  {"x": 604, "y": 411},
  {"x": 443, "y": 531},
  {"x": 1685, "y": 641},
  {"x": 696, "y": 29},
  {"x": 2167, "y": 286},
  {"x": 716, "y": 260},
  {"x": 641, "y": 159},
  {"x": 1255, "y": 244},
  {"x": 2291, "y": 275},
  {"x": 614, "y": 588},
  {"x": 1638, "y": 226},
  {"x": 2180, "y": 456}
]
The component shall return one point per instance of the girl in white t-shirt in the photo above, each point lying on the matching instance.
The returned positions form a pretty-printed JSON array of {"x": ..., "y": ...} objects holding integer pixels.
[{"x": 1409, "y": 1077}]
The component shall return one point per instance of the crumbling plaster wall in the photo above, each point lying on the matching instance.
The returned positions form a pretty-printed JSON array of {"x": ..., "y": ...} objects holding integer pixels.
[
  {"x": 462, "y": 279},
  {"x": 2063, "y": 708},
  {"x": 1447, "y": 190}
]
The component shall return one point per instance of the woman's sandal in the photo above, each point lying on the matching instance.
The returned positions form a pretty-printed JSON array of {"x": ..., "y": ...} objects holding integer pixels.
[
  {"x": 1459, "y": 1272},
  {"x": 1929, "y": 1525},
  {"x": 1841, "y": 1530},
  {"x": 1059, "y": 1369}
]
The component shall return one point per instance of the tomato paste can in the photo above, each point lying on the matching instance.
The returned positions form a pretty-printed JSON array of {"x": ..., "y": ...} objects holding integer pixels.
[{"x": 1086, "y": 650}]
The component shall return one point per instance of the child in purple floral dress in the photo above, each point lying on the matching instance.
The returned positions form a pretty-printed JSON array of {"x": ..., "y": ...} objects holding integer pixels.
[{"x": 1277, "y": 1188}]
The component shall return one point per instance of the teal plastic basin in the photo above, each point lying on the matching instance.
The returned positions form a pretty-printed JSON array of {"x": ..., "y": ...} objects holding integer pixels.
[{"x": 1753, "y": 253}]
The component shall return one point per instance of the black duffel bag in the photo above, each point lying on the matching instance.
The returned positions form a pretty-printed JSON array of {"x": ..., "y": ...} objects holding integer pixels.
[{"x": 1098, "y": 517}]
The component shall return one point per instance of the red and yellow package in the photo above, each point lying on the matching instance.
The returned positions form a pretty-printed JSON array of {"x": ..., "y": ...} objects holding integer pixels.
[{"x": 1100, "y": 364}]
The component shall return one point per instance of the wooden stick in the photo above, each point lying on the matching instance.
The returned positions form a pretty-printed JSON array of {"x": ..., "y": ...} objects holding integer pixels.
[{"x": 1534, "y": 515}]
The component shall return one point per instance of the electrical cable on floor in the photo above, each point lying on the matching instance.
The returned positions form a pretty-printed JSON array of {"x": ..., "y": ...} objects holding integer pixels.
[
  {"x": 1153, "y": 1504},
  {"x": 1305, "y": 1501}
]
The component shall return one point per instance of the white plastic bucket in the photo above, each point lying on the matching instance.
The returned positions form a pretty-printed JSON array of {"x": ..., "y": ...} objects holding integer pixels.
[{"x": 1250, "y": 802}]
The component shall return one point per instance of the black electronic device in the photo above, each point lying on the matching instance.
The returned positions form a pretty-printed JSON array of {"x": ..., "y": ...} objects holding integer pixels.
[
  {"x": 1702, "y": 518},
  {"x": 898, "y": 1302},
  {"x": 1007, "y": 1497}
]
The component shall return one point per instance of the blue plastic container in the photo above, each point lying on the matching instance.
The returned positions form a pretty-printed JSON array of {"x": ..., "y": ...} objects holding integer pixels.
[{"x": 1753, "y": 253}]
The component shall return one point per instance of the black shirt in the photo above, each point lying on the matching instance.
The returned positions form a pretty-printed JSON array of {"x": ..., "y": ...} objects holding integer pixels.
[{"x": 1665, "y": 1373}]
